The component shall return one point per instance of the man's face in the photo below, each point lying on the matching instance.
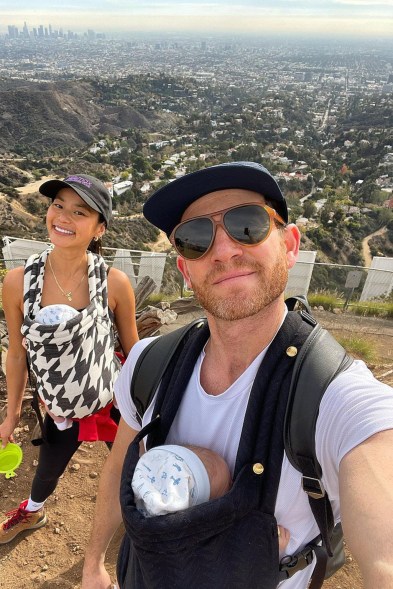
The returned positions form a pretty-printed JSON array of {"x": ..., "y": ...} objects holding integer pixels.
[{"x": 233, "y": 281}]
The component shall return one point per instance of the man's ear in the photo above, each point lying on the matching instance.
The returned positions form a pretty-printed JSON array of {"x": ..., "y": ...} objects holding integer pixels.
[
  {"x": 292, "y": 243},
  {"x": 182, "y": 267}
]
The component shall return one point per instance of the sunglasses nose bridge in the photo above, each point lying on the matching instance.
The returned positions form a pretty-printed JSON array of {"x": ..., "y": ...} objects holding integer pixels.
[
  {"x": 216, "y": 220},
  {"x": 220, "y": 222}
]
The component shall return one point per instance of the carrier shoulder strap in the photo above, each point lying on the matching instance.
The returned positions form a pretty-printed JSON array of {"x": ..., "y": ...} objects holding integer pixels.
[{"x": 153, "y": 362}]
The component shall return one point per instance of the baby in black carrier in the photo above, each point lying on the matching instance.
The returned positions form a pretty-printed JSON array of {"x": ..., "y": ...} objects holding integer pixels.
[{"x": 171, "y": 478}]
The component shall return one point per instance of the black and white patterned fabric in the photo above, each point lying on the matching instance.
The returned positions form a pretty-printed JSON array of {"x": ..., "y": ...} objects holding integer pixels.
[{"x": 74, "y": 361}]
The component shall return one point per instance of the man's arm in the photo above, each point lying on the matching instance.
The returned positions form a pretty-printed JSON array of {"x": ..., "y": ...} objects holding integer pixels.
[
  {"x": 366, "y": 498},
  {"x": 107, "y": 514}
]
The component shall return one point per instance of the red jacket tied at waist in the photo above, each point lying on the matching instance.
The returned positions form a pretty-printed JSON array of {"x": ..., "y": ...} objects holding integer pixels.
[{"x": 97, "y": 427}]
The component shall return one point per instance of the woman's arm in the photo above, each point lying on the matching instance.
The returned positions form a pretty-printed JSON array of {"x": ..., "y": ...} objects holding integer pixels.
[
  {"x": 122, "y": 302},
  {"x": 16, "y": 367}
]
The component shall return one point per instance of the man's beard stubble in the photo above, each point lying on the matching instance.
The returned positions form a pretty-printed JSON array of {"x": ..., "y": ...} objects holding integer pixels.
[{"x": 271, "y": 285}]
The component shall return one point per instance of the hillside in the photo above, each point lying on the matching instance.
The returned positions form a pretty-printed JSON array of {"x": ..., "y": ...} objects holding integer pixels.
[{"x": 42, "y": 117}]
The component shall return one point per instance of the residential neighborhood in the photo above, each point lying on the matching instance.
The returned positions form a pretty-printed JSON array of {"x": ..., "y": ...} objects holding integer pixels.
[{"x": 317, "y": 114}]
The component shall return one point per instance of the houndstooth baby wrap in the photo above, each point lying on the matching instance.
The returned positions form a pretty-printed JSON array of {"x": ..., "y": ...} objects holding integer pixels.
[{"x": 73, "y": 361}]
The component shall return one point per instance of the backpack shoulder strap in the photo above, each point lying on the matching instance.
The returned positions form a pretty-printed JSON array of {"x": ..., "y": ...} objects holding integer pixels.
[
  {"x": 299, "y": 301},
  {"x": 153, "y": 362},
  {"x": 320, "y": 360}
]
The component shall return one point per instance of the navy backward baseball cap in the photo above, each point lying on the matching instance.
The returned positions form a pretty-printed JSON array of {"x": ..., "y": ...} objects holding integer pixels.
[
  {"x": 90, "y": 189},
  {"x": 166, "y": 206}
]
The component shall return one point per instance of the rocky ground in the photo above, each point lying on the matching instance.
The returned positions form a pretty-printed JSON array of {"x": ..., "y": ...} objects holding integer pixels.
[{"x": 52, "y": 557}]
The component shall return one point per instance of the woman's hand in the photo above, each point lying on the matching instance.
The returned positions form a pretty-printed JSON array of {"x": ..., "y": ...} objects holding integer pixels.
[{"x": 7, "y": 429}]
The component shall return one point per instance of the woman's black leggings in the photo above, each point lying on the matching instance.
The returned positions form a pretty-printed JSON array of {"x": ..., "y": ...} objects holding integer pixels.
[{"x": 55, "y": 454}]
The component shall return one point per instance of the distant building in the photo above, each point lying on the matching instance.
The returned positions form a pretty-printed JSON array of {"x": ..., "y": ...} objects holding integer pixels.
[
  {"x": 121, "y": 187},
  {"x": 159, "y": 144},
  {"x": 13, "y": 32}
]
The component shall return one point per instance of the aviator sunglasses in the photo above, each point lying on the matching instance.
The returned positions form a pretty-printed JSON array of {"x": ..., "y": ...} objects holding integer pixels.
[{"x": 248, "y": 224}]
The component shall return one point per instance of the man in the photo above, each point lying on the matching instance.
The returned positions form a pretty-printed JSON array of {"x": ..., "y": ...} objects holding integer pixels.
[{"x": 228, "y": 224}]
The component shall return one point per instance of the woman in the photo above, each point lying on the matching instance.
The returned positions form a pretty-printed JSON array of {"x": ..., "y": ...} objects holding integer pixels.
[{"x": 69, "y": 274}]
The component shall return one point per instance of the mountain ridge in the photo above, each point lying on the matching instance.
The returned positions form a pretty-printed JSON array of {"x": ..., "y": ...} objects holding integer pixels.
[{"x": 47, "y": 116}]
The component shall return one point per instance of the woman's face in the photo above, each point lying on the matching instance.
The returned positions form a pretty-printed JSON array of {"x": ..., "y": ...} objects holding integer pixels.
[{"x": 71, "y": 222}]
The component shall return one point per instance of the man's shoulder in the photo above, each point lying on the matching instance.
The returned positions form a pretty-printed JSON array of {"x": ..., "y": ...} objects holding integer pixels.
[
  {"x": 353, "y": 388},
  {"x": 132, "y": 358},
  {"x": 356, "y": 374},
  {"x": 139, "y": 346},
  {"x": 355, "y": 406}
]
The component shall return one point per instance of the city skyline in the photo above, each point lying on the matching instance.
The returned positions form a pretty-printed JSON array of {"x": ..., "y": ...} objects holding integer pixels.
[{"x": 350, "y": 18}]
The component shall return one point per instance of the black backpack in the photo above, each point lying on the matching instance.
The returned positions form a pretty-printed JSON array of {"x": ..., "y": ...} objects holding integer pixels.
[{"x": 319, "y": 361}]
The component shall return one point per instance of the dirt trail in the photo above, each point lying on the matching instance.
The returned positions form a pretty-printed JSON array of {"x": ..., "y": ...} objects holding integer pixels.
[
  {"x": 365, "y": 247},
  {"x": 33, "y": 186}
]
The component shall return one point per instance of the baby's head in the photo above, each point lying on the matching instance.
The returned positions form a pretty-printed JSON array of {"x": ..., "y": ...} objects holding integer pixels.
[
  {"x": 55, "y": 314},
  {"x": 170, "y": 478},
  {"x": 217, "y": 470}
]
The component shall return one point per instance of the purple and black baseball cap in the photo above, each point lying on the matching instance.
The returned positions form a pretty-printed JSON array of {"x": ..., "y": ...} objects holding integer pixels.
[
  {"x": 166, "y": 206},
  {"x": 90, "y": 189}
]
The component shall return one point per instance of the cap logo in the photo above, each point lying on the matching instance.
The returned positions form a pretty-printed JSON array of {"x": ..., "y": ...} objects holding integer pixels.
[{"x": 79, "y": 180}]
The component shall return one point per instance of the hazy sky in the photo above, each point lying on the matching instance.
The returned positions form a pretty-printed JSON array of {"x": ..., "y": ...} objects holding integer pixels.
[{"x": 308, "y": 17}]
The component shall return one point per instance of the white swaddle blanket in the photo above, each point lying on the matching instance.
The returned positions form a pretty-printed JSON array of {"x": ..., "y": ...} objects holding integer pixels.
[{"x": 169, "y": 478}]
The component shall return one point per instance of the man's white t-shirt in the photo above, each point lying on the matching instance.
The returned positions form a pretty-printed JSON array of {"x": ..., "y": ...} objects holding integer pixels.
[{"x": 354, "y": 407}]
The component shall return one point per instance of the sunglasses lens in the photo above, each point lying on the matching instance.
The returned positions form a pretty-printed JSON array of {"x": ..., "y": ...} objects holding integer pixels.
[
  {"x": 193, "y": 238},
  {"x": 248, "y": 225}
]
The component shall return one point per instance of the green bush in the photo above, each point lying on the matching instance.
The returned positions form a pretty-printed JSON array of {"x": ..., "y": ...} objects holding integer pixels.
[
  {"x": 156, "y": 298},
  {"x": 373, "y": 309},
  {"x": 326, "y": 300},
  {"x": 359, "y": 347},
  {"x": 330, "y": 301}
]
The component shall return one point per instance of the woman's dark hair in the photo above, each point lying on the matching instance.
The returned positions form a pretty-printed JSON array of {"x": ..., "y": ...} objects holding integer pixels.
[{"x": 95, "y": 246}]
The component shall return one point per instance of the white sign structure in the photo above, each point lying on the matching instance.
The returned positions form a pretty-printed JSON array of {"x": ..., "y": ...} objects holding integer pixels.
[
  {"x": 123, "y": 261},
  {"x": 379, "y": 281},
  {"x": 16, "y": 250},
  {"x": 300, "y": 275},
  {"x": 137, "y": 264},
  {"x": 152, "y": 264}
]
